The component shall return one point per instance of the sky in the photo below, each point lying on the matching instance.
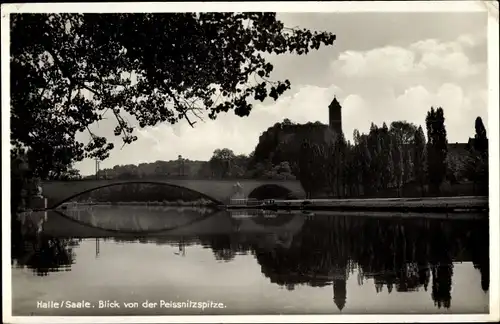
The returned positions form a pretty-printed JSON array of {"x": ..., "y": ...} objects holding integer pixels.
[{"x": 383, "y": 67}]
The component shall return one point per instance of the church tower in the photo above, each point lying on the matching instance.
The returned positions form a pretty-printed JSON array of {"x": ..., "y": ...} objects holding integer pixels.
[{"x": 335, "y": 116}]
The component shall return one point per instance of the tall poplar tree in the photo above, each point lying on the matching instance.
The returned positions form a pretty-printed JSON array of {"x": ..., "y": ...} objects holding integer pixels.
[
  {"x": 419, "y": 157},
  {"x": 437, "y": 148}
]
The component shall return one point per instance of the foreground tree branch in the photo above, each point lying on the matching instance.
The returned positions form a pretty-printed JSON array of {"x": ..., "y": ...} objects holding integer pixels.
[{"x": 138, "y": 64}]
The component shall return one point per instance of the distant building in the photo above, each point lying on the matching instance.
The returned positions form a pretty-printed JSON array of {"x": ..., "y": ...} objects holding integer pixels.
[
  {"x": 460, "y": 149},
  {"x": 456, "y": 151}
]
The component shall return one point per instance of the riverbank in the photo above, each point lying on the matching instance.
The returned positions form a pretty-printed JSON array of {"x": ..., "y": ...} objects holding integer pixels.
[{"x": 421, "y": 205}]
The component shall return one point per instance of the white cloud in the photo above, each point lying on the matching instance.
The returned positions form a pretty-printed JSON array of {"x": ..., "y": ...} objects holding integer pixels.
[
  {"x": 387, "y": 61},
  {"x": 420, "y": 58},
  {"x": 456, "y": 63}
]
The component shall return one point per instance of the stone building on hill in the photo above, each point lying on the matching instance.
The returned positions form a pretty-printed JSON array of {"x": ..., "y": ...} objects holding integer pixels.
[{"x": 285, "y": 138}]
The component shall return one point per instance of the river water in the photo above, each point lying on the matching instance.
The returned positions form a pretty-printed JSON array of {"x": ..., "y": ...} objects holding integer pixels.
[{"x": 200, "y": 261}]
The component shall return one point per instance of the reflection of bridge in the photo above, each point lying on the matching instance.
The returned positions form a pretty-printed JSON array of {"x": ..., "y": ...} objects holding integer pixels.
[
  {"x": 62, "y": 225},
  {"x": 219, "y": 190}
]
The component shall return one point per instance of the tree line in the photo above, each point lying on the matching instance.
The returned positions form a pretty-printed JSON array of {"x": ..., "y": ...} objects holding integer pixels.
[
  {"x": 398, "y": 160},
  {"x": 389, "y": 158},
  {"x": 224, "y": 164}
]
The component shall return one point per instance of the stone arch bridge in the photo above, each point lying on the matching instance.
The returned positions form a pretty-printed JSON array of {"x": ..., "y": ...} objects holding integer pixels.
[{"x": 220, "y": 191}]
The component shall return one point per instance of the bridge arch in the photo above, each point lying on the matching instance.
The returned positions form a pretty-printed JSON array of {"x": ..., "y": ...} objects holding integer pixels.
[
  {"x": 57, "y": 204},
  {"x": 271, "y": 191}
]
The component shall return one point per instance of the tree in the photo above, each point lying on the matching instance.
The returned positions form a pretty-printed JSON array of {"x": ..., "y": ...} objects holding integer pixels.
[
  {"x": 454, "y": 168},
  {"x": 480, "y": 138},
  {"x": 481, "y": 144},
  {"x": 398, "y": 163},
  {"x": 239, "y": 165},
  {"x": 437, "y": 147},
  {"x": 357, "y": 161},
  {"x": 404, "y": 133},
  {"x": 340, "y": 148},
  {"x": 309, "y": 155},
  {"x": 285, "y": 170},
  {"x": 385, "y": 157},
  {"x": 318, "y": 164},
  {"x": 70, "y": 174},
  {"x": 419, "y": 157},
  {"x": 68, "y": 70},
  {"x": 350, "y": 172},
  {"x": 282, "y": 143},
  {"x": 205, "y": 171},
  {"x": 407, "y": 163},
  {"x": 260, "y": 169},
  {"x": 331, "y": 169},
  {"x": 280, "y": 171},
  {"x": 477, "y": 166},
  {"x": 356, "y": 136},
  {"x": 304, "y": 162},
  {"x": 221, "y": 162},
  {"x": 269, "y": 146},
  {"x": 374, "y": 144},
  {"x": 129, "y": 171},
  {"x": 365, "y": 160}
]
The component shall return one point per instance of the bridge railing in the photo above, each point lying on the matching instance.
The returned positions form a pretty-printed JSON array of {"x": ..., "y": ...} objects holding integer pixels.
[
  {"x": 170, "y": 178},
  {"x": 244, "y": 201}
]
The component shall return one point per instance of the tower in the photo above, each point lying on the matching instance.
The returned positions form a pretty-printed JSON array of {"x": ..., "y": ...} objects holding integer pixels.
[{"x": 335, "y": 116}]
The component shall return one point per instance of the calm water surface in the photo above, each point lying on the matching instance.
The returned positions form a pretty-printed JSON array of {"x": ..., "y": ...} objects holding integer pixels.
[{"x": 248, "y": 263}]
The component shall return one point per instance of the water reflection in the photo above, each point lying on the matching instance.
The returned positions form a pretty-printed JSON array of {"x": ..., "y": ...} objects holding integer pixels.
[
  {"x": 137, "y": 219},
  {"x": 401, "y": 254},
  {"x": 45, "y": 255},
  {"x": 395, "y": 254}
]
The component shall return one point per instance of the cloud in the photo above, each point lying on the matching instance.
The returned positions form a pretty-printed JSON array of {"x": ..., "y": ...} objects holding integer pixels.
[
  {"x": 417, "y": 60},
  {"x": 458, "y": 106},
  {"x": 382, "y": 62},
  {"x": 380, "y": 84}
]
